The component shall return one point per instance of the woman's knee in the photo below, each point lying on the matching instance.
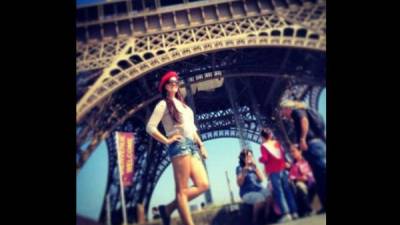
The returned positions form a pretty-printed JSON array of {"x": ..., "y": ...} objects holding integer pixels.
[
  {"x": 301, "y": 187},
  {"x": 180, "y": 193},
  {"x": 204, "y": 186}
]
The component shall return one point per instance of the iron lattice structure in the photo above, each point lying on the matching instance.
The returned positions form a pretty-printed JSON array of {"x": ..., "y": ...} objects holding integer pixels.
[{"x": 237, "y": 60}]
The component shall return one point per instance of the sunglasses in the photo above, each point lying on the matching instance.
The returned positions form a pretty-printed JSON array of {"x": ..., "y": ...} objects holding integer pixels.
[{"x": 172, "y": 82}]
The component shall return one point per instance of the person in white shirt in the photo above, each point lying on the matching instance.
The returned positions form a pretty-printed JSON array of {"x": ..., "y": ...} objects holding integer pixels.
[{"x": 185, "y": 147}]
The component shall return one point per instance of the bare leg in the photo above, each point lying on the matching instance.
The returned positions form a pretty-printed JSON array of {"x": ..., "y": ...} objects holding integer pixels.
[
  {"x": 199, "y": 177},
  {"x": 181, "y": 166}
]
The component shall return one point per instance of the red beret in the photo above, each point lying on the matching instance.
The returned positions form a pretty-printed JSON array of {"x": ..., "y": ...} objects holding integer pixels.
[{"x": 165, "y": 78}]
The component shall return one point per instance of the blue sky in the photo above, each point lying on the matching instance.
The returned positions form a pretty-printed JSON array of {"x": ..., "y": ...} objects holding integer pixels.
[
  {"x": 223, "y": 153},
  {"x": 91, "y": 183}
]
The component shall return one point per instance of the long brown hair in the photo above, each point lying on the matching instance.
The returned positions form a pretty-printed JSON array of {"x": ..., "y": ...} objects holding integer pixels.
[
  {"x": 242, "y": 156},
  {"x": 175, "y": 114}
]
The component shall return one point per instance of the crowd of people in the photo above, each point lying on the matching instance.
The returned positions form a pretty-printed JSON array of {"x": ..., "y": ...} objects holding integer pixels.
[{"x": 292, "y": 183}]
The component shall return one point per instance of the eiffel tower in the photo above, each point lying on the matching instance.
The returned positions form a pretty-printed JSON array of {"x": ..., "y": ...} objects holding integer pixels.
[{"x": 237, "y": 59}]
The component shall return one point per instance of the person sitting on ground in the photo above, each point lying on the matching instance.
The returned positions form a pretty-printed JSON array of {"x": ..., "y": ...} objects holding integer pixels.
[
  {"x": 302, "y": 180},
  {"x": 249, "y": 179}
]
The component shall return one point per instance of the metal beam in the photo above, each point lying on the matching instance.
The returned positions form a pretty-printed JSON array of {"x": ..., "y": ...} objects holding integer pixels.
[
  {"x": 254, "y": 104},
  {"x": 231, "y": 92},
  {"x": 276, "y": 81}
]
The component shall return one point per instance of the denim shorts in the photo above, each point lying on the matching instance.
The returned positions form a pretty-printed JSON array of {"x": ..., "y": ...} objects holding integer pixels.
[
  {"x": 256, "y": 196},
  {"x": 183, "y": 147}
]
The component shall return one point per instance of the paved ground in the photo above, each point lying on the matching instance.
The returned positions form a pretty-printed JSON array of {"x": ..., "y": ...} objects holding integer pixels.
[{"x": 312, "y": 220}]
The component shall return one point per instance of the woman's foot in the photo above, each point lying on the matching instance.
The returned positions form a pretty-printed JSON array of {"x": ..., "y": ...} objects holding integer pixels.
[{"x": 165, "y": 217}]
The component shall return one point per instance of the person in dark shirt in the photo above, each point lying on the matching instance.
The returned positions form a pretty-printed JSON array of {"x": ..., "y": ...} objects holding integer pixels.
[{"x": 310, "y": 132}]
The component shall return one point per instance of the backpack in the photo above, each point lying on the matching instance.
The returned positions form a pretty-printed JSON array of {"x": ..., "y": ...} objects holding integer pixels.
[{"x": 316, "y": 123}]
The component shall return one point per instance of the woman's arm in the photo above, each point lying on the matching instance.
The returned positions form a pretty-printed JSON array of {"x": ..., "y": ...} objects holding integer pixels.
[
  {"x": 199, "y": 142},
  {"x": 260, "y": 176},
  {"x": 161, "y": 138},
  {"x": 154, "y": 120}
]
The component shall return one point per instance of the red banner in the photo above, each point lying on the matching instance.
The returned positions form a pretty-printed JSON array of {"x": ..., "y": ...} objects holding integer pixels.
[{"x": 126, "y": 154}]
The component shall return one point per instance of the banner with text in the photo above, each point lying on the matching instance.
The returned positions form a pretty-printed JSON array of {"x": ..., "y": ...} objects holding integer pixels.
[{"x": 125, "y": 148}]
